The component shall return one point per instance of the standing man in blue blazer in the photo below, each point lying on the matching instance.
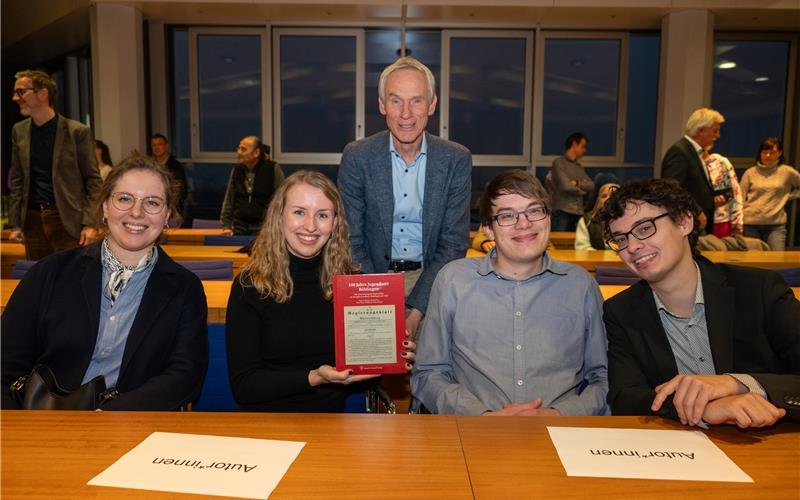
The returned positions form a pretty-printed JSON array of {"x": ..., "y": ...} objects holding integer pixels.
[{"x": 406, "y": 192}]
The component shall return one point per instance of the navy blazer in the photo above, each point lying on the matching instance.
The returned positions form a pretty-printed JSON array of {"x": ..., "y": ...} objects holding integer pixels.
[
  {"x": 365, "y": 182},
  {"x": 53, "y": 317},
  {"x": 753, "y": 324},
  {"x": 682, "y": 163}
]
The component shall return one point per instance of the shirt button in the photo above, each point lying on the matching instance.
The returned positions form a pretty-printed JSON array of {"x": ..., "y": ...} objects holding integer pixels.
[
  {"x": 702, "y": 358},
  {"x": 406, "y": 170},
  {"x": 517, "y": 313},
  {"x": 112, "y": 318},
  {"x": 520, "y": 382},
  {"x": 401, "y": 230},
  {"x": 519, "y": 347},
  {"x": 405, "y": 249},
  {"x": 402, "y": 216},
  {"x": 404, "y": 195}
]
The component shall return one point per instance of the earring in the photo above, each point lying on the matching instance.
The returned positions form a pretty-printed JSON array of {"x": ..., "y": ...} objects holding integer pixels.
[
  {"x": 104, "y": 220},
  {"x": 166, "y": 225}
]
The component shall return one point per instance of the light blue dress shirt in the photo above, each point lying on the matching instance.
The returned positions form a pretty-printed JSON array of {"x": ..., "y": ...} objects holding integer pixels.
[
  {"x": 489, "y": 340},
  {"x": 115, "y": 324},
  {"x": 408, "y": 184}
]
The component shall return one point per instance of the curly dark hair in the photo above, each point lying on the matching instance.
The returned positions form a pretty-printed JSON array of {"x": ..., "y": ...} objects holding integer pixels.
[{"x": 665, "y": 193}]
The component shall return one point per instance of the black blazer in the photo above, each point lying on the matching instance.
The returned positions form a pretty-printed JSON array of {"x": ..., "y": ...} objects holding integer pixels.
[
  {"x": 753, "y": 323},
  {"x": 682, "y": 164},
  {"x": 53, "y": 317}
]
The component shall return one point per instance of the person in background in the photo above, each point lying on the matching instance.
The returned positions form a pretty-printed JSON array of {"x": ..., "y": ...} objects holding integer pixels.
[
  {"x": 250, "y": 187},
  {"x": 694, "y": 340},
  {"x": 160, "y": 148},
  {"x": 766, "y": 188},
  {"x": 53, "y": 178},
  {"x": 279, "y": 323},
  {"x": 104, "y": 164},
  {"x": 514, "y": 332},
  {"x": 120, "y": 308},
  {"x": 728, "y": 216},
  {"x": 589, "y": 233},
  {"x": 683, "y": 161},
  {"x": 570, "y": 184}
]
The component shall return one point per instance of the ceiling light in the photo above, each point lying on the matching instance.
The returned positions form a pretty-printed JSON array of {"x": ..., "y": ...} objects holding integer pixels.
[
  {"x": 726, "y": 65},
  {"x": 762, "y": 79}
]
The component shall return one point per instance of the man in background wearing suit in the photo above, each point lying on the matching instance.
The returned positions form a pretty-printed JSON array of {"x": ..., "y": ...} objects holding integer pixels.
[
  {"x": 683, "y": 161},
  {"x": 53, "y": 176},
  {"x": 406, "y": 192},
  {"x": 694, "y": 340},
  {"x": 160, "y": 148}
]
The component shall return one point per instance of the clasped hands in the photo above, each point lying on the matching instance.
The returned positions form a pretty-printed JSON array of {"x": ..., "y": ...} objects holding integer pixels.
[
  {"x": 529, "y": 409},
  {"x": 716, "y": 399}
]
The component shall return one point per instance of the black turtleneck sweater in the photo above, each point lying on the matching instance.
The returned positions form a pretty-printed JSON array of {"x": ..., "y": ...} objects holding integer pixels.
[{"x": 272, "y": 347}]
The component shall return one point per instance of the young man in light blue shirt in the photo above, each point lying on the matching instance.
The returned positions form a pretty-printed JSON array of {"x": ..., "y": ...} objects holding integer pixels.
[{"x": 514, "y": 332}]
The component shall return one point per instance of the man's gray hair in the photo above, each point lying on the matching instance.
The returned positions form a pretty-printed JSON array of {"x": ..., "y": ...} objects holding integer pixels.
[
  {"x": 702, "y": 118},
  {"x": 407, "y": 63}
]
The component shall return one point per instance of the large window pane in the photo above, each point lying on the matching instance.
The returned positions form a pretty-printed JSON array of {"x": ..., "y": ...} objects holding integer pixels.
[
  {"x": 487, "y": 94},
  {"x": 229, "y": 78},
  {"x": 382, "y": 49},
  {"x": 642, "y": 103},
  {"x": 749, "y": 89},
  {"x": 318, "y": 99},
  {"x": 581, "y": 88},
  {"x": 180, "y": 135}
]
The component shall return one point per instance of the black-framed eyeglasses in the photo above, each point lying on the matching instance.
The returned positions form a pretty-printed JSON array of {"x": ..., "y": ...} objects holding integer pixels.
[
  {"x": 21, "y": 91},
  {"x": 532, "y": 214},
  {"x": 641, "y": 231},
  {"x": 152, "y": 205}
]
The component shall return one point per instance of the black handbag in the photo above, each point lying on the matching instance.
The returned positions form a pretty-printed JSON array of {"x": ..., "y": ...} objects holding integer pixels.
[{"x": 40, "y": 391}]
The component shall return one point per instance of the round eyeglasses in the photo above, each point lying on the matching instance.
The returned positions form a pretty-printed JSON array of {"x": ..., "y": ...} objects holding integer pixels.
[
  {"x": 641, "y": 231},
  {"x": 532, "y": 214},
  {"x": 152, "y": 205}
]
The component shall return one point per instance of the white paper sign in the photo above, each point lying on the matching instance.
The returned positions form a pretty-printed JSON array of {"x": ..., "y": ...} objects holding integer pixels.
[
  {"x": 210, "y": 465},
  {"x": 643, "y": 454}
]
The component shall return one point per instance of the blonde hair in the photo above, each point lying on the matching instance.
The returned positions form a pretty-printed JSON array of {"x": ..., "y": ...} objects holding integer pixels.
[
  {"x": 702, "y": 118},
  {"x": 407, "y": 63},
  {"x": 267, "y": 270}
]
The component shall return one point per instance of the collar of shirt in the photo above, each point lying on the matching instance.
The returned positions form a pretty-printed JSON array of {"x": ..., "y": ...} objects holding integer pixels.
[
  {"x": 698, "y": 295},
  {"x": 549, "y": 265},
  {"x": 423, "y": 150},
  {"x": 697, "y": 148}
]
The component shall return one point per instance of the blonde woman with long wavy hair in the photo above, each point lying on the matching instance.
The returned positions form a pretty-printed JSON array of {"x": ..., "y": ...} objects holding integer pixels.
[{"x": 279, "y": 323}]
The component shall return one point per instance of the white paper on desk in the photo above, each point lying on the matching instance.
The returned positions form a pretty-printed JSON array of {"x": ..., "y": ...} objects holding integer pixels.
[
  {"x": 210, "y": 465},
  {"x": 643, "y": 454}
]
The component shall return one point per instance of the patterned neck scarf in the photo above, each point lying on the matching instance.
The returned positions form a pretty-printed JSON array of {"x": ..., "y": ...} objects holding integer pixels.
[{"x": 118, "y": 273}]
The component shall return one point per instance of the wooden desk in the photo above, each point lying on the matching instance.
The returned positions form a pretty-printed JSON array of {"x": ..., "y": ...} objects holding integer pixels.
[
  {"x": 590, "y": 259},
  {"x": 51, "y": 454},
  {"x": 54, "y": 454},
  {"x": 514, "y": 458},
  {"x": 189, "y": 236},
  {"x": 217, "y": 293},
  {"x": 12, "y": 252},
  {"x": 563, "y": 239}
]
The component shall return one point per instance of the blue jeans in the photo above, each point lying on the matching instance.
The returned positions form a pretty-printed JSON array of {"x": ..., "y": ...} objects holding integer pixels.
[
  {"x": 773, "y": 234},
  {"x": 563, "y": 221}
]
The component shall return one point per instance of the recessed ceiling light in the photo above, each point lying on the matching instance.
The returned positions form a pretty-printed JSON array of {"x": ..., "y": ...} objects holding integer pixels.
[
  {"x": 726, "y": 65},
  {"x": 762, "y": 79}
]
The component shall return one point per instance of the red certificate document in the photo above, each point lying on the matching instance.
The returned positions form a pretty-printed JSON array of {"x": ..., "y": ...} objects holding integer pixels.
[{"x": 369, "y": 317}]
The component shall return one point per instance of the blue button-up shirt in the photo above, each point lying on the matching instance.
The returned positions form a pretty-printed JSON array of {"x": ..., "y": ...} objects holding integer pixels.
[
  {"x": 489, "y": 340},
  {"x": 408, "y": 184},
  {"x": 115, "y": 324}
]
